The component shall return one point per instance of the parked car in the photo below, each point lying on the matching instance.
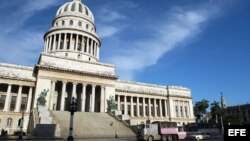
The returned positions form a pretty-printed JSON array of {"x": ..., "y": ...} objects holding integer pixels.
[{"x": 199, "y": 136}]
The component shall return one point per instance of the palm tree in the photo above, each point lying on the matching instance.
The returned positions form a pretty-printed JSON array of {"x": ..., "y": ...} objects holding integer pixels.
[
  {"x": 215, "y": 111},
  {"x": 200, "y": 108}
]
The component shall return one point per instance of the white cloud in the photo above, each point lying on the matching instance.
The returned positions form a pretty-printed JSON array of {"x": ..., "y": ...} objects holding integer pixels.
[
  {"x": 105, "y": 31},
  {"x": 181, "y": 24},
  {"x": 107, "y": 15},
  {"x": 21, "y": 46},
  {"x": 23, "y": 49},
  {"x": 19, "y": 15}
]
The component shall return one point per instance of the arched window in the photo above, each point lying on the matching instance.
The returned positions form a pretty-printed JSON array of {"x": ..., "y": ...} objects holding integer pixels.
[
  {"x": 66, "y": 8},
  {"x": 80, "y": 8},
  {"x": 79, "y": 23},
  {"x": 63, "y": 22},
  {"x": 87, "y": 26},
  {"x": 71, "y": 22},
  {"x": 73, "y": 8},
  {"x": 86, "y": 11},
  {"x": 9, "y": 122}
]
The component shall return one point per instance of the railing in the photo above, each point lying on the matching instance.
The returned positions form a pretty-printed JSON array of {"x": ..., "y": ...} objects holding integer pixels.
[{"x": 118, "y": 119}]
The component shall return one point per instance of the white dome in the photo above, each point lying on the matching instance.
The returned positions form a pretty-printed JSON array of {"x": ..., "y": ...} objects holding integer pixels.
[{"x": 76, "y": 8}]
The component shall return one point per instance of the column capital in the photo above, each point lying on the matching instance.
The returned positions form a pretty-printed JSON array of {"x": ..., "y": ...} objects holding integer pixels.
[
  {"x": 64, "y": 82},
  {"x": 74, "y": 83},
  {"x": 93, "y": 85},
  {"x": 84, "y": 84},
  {"x": 53, "y": 80}
]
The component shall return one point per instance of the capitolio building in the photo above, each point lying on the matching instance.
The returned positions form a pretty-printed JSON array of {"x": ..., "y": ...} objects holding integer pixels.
[{"x": 69, "y": 66}]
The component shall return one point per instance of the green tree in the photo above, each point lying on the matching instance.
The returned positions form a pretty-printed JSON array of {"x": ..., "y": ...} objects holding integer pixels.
[
  {"x": 215, "y": 111},
  {"x": 200, "y": 108}
]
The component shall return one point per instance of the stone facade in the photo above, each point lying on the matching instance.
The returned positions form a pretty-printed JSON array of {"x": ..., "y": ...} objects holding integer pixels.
[{"x": 69, "y": 67}]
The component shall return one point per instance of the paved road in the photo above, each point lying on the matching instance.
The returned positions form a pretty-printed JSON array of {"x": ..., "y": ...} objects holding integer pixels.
[{"x": 102, "y": 139}]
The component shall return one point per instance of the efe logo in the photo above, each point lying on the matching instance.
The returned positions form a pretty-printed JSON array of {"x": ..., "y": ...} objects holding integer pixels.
[{"x": 236, "y": 132}]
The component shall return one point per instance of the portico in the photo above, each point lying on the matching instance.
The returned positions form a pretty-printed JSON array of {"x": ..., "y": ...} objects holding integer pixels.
[{"x": 89, "y": 97}]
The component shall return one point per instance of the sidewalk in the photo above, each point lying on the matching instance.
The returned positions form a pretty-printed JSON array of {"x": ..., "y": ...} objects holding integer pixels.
[{"x": 31, "y": 138}]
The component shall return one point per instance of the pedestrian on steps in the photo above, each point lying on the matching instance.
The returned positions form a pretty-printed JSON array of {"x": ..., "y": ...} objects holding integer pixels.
[{"x": 116, "y": 136}]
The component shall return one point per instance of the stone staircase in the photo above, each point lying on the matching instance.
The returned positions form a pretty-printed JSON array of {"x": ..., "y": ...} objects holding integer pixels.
[
  {"x": 87, "y": 125},
  {"x": 46, "y": 126}
]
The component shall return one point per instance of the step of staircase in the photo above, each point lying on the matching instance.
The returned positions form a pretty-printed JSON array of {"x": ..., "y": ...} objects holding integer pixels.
[{"x": 91, "y": 125}]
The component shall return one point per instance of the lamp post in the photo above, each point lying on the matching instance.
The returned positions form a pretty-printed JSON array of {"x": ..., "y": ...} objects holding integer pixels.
[
  {"x": 72, "y": 110},
  {"x": 20, "y": 123}
]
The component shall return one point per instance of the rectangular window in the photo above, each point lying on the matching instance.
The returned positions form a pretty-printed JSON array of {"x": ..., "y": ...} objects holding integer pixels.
[
  {"x": 176, "y": 111},
  {"x": 186, "y": 112},
  {"x": 181, "y": 109},
  {"x": 13, "y": 103},
  {"x": 23, "y": 104},
  {"x": 2, "y": 101}
]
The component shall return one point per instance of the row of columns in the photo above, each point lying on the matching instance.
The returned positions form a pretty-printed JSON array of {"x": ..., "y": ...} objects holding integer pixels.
[
  {"x": 19, "y": 99},
  {"x": 143, "y": 106},
  {"x": 182, "y": 108},
  {"x": 83, "y": 96},
  {"x": 70, "y": 41}
]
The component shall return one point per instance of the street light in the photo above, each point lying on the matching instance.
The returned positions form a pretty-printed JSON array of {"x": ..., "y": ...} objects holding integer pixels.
[
  {"x": 20, "y": 124},
  {"x": 72, "y": 110}
]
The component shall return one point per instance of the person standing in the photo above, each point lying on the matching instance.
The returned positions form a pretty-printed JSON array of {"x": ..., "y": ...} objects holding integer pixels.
[{"x": 116, "y": 135}]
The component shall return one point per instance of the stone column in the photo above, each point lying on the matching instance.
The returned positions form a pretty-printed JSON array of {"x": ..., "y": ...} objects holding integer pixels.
[
  {"x": 62, "y": 106},
  {"x": 118, "y": 103},
  {"x": 7, "y": 100},
  {"x": 83, "y": 44},
  {"x": 76, "y": 44},
  {"x": 143, "y": 107},
  {"x": 91, "y": 47},
  {"x": 64, "y": 41},
  {"x": 54, "y": 42},
  {"x": 88, "y": 51},
  {"x": 19, "y": 99},
  {"x": 97, "y": 51},
  {"x": 102, "y": 99},
  {"x": 149, "y": 107},
  {"x": 125, "y": 105},
  {"x": 131, "y": 107},
  {"x": 155, "y": 110},
  {"x": 74, "y": 90},
  {"x": 45, "y": 44},
  {"x": 94, "y": 44},
  {"x": 93, "y": 99},
  {"x": 138, "y": 106},
  {"x": 59, "y": 42},
  {"x": 50, "y": 43},
  {"x": 29, "y": 99},
  {"x": 191, "y": 113},
  {"x": 53, "y": 84},
  {"x": 83, "y": 97},
  {"x": 70, "y": 42},
  {"x": 160, "y": 107},
  {"x": 166, "y": 108}
]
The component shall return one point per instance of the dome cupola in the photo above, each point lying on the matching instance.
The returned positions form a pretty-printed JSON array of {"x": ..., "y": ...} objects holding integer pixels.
[
  {"x": 73, "y": 33},
  {"x": 75, "y": 8}
]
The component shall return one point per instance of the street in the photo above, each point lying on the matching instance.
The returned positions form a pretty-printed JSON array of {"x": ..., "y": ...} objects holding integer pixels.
[{"x": 101, "y": 139}]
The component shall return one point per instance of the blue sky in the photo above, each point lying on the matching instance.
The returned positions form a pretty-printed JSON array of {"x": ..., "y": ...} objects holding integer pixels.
[{"x": 200, "y": 44}]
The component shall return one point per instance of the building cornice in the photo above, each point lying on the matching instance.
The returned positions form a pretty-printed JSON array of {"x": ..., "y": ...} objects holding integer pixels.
[
  {"x": 138, "y": 92},
  {"x": 57, "y": 69},
  {"x": 17, "y": 78}
]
